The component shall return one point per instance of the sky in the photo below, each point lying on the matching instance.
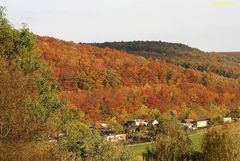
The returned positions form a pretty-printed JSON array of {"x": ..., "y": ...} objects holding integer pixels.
[{"x": 209, "y": 25}]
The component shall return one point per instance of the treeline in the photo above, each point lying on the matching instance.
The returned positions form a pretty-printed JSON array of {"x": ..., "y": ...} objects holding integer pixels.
[
  {"x": 107, "y": 84},
  {"x": 179, "y": 54},
  {"x": 31, "y": 110}
]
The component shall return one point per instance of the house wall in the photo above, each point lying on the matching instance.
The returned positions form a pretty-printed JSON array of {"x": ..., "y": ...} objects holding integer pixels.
[
  {"x": 201, "y": 124},
  {"x": 227, "y": 119}
]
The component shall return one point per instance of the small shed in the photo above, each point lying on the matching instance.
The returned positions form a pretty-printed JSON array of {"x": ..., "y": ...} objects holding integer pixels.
[
  {"x": 227, "y": 119},
  {"x": 202, "y": 123}
]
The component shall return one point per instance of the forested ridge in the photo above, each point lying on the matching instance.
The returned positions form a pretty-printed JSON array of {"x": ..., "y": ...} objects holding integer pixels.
[
  {"x": 107, "y": 84},
  {"x": 220, "y": 63}
]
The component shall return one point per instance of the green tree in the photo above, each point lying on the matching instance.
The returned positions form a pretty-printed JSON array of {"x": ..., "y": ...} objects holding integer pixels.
[
  {"x": 113, "y": 79},
  {"x": 84, "y": 144},
  {"x": 28, "y": 92},
  {"x": 14, "y": 42},
  {"x": 30, "y": 108},
  {"x": 222, "y": 143},
  {"x": 21, "y": 67},
  {"x": 172, "y": 143},
  {"x": 86, "y": 80}
]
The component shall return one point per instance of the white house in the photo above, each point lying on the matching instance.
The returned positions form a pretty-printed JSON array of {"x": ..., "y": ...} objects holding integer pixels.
[
  {"x": 116, "y": 138},
  {"x": 155, "y": 122},
  {"x": 202, "y": 124},
  {"x": 227, "y": 119}
]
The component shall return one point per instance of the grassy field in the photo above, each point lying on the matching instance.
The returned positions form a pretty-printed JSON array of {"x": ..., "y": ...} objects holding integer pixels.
[
  {"x": 196, "y": 139},
  {"x": 138, "y": 149}
]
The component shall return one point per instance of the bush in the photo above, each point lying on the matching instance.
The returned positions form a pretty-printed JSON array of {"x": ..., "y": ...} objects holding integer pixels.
[
  {"x": 222, "y": 143},
  {"x": 172, "y": 144}
]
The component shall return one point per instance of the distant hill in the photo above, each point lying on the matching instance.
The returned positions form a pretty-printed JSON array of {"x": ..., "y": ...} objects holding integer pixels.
[
  {"x": 227, "y": 65},
  {"x": 107, "y": 84},
  {"x": 235, "y": 54}
]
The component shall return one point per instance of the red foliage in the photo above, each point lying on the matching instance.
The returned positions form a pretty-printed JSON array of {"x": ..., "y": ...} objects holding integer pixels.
[{"x": 152, "y": 83}]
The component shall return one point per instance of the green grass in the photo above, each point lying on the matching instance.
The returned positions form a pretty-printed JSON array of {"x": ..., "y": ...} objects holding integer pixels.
[
  {"x": 138, "y": 149},
  {"x": 196, "y": 141}
]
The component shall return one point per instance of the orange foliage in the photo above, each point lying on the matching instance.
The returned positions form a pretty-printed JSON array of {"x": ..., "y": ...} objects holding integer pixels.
[{"x": 83, "y": 72}]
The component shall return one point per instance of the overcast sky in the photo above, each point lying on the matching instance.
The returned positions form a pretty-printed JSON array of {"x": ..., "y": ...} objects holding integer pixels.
[{"x": 203, "y": 24}]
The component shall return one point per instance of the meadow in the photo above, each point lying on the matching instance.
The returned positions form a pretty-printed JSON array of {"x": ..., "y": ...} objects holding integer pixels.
[{"x": 195, "y": 137}]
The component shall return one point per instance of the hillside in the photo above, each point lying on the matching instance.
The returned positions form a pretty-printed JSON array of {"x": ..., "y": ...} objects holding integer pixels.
[
  {"x": 179, "y": 54},
  {"x": 107, "y": 84},
  {"x": 235, "y": 54}
]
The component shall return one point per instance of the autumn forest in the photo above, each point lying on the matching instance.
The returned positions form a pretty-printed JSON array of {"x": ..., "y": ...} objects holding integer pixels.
[
  {"x": 115, "y": 101},
  {"x": 94, "y": 78}
]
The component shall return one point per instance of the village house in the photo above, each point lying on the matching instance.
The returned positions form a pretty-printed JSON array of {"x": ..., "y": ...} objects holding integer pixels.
[
  {"x": 202, "y": 123},
  {"x": 227, "y": 119},
  {"x": 152, "y": 123},
  {"x": 188, "y": 124},
  {"x": 116, "y": 138}
]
